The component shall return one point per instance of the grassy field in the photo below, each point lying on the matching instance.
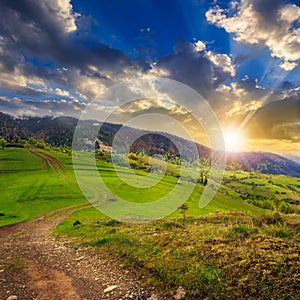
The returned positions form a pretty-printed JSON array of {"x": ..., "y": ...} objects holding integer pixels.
[
  {"x": 30, "y": 186},
  {"x": 232, "y": 248},
  {"x": 217, "y": 256}
]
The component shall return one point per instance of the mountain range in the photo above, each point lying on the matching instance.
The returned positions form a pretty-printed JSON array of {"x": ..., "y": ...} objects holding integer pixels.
[{"x": 58, "y": 131}]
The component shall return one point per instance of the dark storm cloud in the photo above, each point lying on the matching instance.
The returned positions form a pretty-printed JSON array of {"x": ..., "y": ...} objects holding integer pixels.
[
  {"x": 277, "y": 120},
  {"x": 39, "y": 29},
  {"x": 194, "y": 68},
  {"x": 247, "y": 84},
  {"x": 285, "y": 85},
  {"x": 268, "y": 9},
  {"x": 47, "y": 41}
]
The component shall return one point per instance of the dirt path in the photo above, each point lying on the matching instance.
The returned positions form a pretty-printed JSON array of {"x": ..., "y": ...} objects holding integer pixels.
[
  {"x": 48, "y": 160},
  {"x": 36, "y": 265}
]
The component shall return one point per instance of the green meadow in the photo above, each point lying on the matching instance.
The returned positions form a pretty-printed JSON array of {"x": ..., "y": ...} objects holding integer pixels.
[
  {"x": 30, "y": 186},
  {"x": 244, "y": 243}
]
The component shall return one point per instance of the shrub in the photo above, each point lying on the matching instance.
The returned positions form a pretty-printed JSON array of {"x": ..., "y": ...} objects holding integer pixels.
[
  {"x": 286, "y": 208},
  {"x": 275, "y": 219},
  {"x": 239, "y": 229},
  {"x": 132, "y": 156},
  {"x": 281, "y": 233},
  {"x": 100, "y": 242},
  {"x": 76, "y": 223},
  {"x": 112, "y": 222},
  {"x": 170, "y": 225}
]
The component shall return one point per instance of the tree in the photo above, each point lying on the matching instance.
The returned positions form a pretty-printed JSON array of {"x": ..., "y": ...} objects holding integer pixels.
[
  {"x": 3, "y": 143},
  {"x": 40, "y": 144},
  {"x": 32, "y": 141},
  {"x": 200, "y": 179},
  {"x": 182, "y": 210}
]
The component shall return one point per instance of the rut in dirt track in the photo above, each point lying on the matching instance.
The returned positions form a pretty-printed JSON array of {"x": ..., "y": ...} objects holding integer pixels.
[{"x": 53, "y": 162}]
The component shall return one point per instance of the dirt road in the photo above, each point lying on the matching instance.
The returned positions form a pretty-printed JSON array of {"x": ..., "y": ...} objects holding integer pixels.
[
  {"x": 48, "y": 160},
  {"x": 36, "y": 265}
]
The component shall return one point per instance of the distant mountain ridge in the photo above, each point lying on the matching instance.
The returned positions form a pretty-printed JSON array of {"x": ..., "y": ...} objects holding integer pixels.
[
  {"x": 59, "y": 131},
  {"x": 265, "y": 162}
]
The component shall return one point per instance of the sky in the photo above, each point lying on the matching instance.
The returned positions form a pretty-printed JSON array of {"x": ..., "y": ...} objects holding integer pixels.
[{"x": 243, "y": 57}]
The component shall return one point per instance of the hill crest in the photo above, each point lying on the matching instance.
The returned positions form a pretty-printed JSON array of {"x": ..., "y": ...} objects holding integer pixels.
[{"x": 58, "y": 131}]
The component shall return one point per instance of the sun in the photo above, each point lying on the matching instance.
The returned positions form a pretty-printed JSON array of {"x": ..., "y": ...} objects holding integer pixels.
[{"x": 234, "y": 140}]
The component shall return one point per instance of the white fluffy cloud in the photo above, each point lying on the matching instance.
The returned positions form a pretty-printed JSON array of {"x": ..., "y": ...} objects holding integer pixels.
[
  {"x": 17, "y": 107},
  {"x": 239, "y": 98},
  {"x": 200, "y": 46},
  {"x": 62, "y": 11},
  {"x": 17, "y": 81},
  {"x": 62, "y": 93},
  {"x": 223, "y": 61},
  {"x": 271, "y": 26}
]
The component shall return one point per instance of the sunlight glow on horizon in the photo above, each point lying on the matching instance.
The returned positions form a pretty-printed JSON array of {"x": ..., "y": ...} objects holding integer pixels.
[{"x": 234, "y": 140}]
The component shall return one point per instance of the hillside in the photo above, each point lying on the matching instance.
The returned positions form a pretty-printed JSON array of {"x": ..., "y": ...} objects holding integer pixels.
[
  {"x": 267, "y": 163},
  {"x": 59, "y": 132},
  {"x": 11, "y": 129},
  {"x": 246, "y": 246}
]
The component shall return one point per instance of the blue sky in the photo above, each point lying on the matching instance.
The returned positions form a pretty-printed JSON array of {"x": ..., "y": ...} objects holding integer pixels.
[
  {"x": 242, "y": 56},
  {"x": 129, "y": 25}
]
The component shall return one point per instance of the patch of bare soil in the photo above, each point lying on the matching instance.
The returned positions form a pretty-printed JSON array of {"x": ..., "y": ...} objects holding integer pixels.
[{"x": 36, "y": 265}]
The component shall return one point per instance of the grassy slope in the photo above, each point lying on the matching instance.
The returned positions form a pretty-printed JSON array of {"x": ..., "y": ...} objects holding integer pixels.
[
  {"x": 30, "y": 187},
  {"x": 229, "y": 248},
  {"x": 217, "y": 256},
  {"x": 265, "y": 185}
]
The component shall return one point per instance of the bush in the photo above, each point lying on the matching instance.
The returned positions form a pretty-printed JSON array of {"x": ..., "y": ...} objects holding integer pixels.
[
  {"x": 286, "y": 208},
  {"x": 240, "y": 229},
  {"x": 170, "y": 225},
  {"x": 281, "y": 233},
  {"x": 112, "y": 222},
  {"x": 100, "y": 242},
  {"x": 132, "y": 156},
  {"x": 275, "y": 219},
  {"x": 76, "y": 223}
]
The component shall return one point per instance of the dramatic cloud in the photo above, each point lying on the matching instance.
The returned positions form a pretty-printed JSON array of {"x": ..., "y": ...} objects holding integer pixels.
[
  {"x": 16, "y": 107},
  {"x": 41, "y": 46},
  {"x": 261, "y": 113},
  {"x": 268, "y": 23},
  {"x": 46, "y": 30},
  {"x": 193, "y": 65},
  {"x": 238, "y": 98},
  {"x": 53, "y": 61},
  {"x": 277, "y": 120},
  {"x": 19, "y": 82},
  {"x": 37, "y": 27},
  {"x": 222, "y": 61}
]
